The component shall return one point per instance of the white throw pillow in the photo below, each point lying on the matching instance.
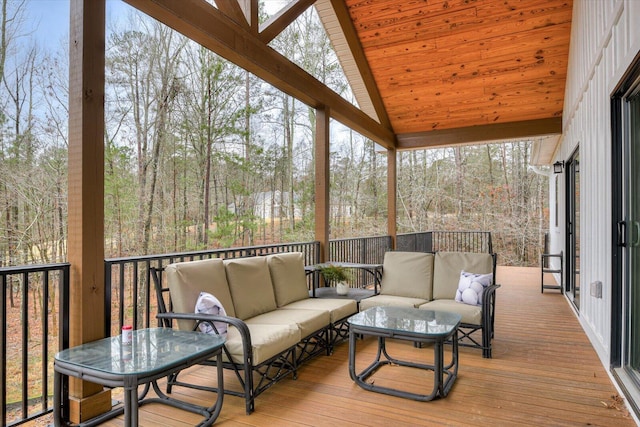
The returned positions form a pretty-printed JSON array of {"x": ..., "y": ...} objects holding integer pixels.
[
  {"x": 471, "y": 286},
  {"x": 208, "y": 304}
]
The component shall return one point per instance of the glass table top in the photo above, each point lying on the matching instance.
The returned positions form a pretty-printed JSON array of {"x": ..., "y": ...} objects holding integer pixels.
[
  {"x": 150, "y": 350},
  {"x": 404, "y": 319}
]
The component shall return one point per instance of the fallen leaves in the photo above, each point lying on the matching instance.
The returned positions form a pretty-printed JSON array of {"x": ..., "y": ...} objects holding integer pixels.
[{"x": 616, "y": 403}]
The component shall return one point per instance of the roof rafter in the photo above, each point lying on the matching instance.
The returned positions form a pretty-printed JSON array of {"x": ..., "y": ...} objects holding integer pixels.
[
  {"x": 250, "y": 9},
  {"x": 281, "y": 20},
  {"x": 351, "y": 36},
  {"x": 208, "y": 26},
  {"x": 239, "y": 13}
]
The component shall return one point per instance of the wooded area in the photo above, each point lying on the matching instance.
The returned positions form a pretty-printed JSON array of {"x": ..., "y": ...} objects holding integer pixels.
[{"x": 201, "y": 154}]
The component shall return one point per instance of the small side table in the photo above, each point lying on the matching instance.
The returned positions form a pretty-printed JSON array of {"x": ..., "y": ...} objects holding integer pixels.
[
  {"x": 357, "y": 294},
  {"x": 409, "y": 324},
  {"x": 153, "y": 354}
]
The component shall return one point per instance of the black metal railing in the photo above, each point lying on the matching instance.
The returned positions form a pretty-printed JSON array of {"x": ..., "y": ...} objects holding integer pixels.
[
  {"x": 415, "y": 242},
  {"x": 364, "y": 250},
  {"x": 128, "y": 280},
  {"x": 35, "y": 319},
  {"x": 361, "y": 250},
  {"x": 449, "y": 241},
  {"x": 42, "y": 293},
  {"x": 461, "y": 241}
]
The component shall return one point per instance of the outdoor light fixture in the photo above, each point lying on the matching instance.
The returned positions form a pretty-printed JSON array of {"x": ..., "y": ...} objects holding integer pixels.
[{"x": 558, "y": 166}]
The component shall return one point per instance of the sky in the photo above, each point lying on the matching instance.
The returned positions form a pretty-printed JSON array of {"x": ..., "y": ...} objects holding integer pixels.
[{"x": 50, "y": 18}]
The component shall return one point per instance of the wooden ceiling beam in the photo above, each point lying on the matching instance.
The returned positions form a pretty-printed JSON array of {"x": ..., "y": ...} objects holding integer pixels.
[
  {"x": 250, "y": 9},
  {"x": 476, "y": 134},
  {"x": 208, "y": 26},
  {"x": 235, "y": 11},
  {"x": 350, "y": 34},
  {"x": 281, "y": 20}
]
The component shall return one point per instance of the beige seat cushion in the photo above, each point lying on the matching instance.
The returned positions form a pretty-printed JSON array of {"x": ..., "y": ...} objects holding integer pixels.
[
  {"x": 447, "y": 268},
  {"x": 407, "y": 274},
  {"x": 309, "y": 321},
  {"x": 471, "y": 314},
  {"x": 390, "y": 300},
  {"x": 250, "y": 285},
  {"x": 288, "y": 277},
  {"x": 338, "y": 309},
  {"x": 266, "y": 341},
  {"x": 187, "y": 279}
]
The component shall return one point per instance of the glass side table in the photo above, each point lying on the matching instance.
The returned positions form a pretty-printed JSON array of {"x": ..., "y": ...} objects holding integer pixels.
[
  {"x": 153, "y": 354},
  {"x": 358, "y": 294},
  {"x": 410, "y": 324}
]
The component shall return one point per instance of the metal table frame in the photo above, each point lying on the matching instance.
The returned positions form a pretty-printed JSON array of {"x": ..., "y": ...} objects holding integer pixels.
[
  {"x": 374, "y": 270},
  {"x": 444, "y": 375},
  {"x": 131, "y": 379}
]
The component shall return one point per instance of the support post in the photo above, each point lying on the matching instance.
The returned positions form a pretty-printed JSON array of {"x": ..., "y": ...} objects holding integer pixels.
[
  {"x": 322, "y": 182},
  {"x": 86, "y": 194}
]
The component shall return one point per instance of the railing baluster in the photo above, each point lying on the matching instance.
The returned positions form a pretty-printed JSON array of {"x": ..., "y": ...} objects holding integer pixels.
[
  {"x": 25, "y": 344},
  {"x": 108, "y": 267},
  {"x": 121, "y": 293},
  {"x": 135, "y": 292},
  {"x": 147, "y": 302},
  {"x": 44, "y": 318}
]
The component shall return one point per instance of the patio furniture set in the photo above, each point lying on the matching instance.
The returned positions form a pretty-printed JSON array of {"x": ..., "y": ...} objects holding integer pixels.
[{"x": 269, "y": 324}]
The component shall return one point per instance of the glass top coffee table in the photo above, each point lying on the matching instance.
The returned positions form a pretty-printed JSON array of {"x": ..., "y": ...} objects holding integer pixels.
[
  {"x": 410, "y": 324},
  {"x": 153, "y": 353}
]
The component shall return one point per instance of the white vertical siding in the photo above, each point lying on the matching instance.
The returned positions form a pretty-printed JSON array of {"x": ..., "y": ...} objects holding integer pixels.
[{"x": 605, "y": 37}]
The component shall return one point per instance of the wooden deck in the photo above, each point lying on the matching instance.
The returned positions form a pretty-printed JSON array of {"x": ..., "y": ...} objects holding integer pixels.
[{"x": 543, "y": 372}]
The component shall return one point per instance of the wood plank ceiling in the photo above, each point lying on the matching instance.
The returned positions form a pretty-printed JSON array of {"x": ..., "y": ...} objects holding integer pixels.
[
  {"x": 425, "y": 73},
  {"x": 460, "y": 71}
]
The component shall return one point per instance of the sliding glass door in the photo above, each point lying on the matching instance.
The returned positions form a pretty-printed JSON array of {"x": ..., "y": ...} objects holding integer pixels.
[
  {"x": 626, "y": 254},
  {"x": 631, "y": 249},
  {"x": 573, "y": 229}
]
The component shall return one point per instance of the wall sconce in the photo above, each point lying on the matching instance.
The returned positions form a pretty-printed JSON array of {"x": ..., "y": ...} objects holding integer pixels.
[{"x": 558, "y": 166}]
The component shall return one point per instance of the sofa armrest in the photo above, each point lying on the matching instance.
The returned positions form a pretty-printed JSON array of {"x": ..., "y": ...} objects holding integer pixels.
[
  {"x": 488, "y": 307},
  {"x": 208, "y": 318},
  {"x": 199, "y": 318},
  {"x": 488, "y": 294},
  {"x": 489, "y": 297}
]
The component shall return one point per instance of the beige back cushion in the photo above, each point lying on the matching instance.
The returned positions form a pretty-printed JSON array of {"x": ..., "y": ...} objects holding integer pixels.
[
  {"x": 407, "y": 274},
  {"x": 288, "y": 277},
  {"x": 250, "y": 285},
  {"x": 447, "y": 268},
  {"x": 187, "y": 279}
]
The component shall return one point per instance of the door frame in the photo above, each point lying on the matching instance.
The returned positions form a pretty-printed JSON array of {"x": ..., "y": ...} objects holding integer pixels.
[
  {"x": 618, "y": 304},
  {"x": 570, "y": 210},
  {"x": 618, "y": 232}
]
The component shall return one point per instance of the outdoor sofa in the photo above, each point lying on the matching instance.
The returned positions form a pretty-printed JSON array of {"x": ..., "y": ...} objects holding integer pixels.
[
  {"x": 459, "y": 282},
  {"x": 262, "y": 303}
]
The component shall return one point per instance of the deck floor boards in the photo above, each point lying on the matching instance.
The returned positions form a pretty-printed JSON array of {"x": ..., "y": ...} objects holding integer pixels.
[{"x": 544, "y": 371}]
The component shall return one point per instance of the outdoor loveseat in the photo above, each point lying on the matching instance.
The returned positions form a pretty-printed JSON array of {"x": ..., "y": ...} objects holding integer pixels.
[
  {"x": 460, "y": 282},
  {"x": 262, "y": 304}
]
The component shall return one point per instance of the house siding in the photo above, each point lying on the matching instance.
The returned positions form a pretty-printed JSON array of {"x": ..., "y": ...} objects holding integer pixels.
[{"x": 605, "y": 38}]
